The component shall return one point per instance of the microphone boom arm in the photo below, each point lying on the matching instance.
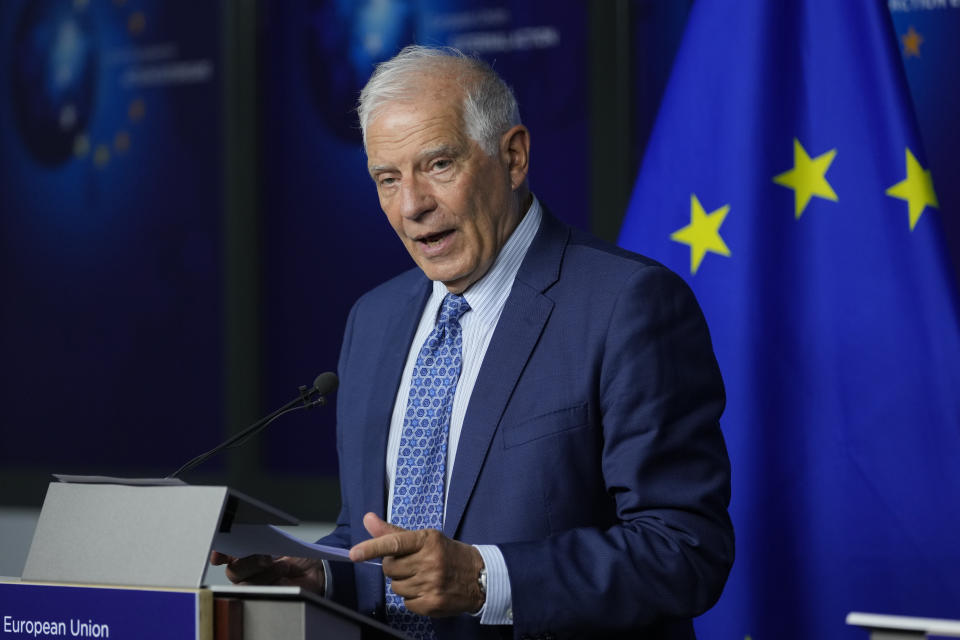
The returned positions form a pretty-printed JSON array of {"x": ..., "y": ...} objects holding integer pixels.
[{"x": 309, "y": 397}]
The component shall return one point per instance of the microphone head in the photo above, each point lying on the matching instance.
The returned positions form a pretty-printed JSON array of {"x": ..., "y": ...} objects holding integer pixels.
[{"x": 326, "y": 383}]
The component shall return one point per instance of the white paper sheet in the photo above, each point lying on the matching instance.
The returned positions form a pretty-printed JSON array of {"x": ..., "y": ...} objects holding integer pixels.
[{"x": 250, "y": 539}]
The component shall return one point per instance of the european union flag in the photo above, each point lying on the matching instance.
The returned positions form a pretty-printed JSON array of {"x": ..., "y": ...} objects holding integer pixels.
[{"x": 786, "y": 180}]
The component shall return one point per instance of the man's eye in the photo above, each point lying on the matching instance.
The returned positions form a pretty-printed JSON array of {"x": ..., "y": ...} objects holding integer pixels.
[
  {"x": 387, "y": 181},
  {"x": 440, "y": 165}
]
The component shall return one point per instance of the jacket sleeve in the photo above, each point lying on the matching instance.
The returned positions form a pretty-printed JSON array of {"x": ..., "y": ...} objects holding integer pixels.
[{"x": 665, "y": 467}]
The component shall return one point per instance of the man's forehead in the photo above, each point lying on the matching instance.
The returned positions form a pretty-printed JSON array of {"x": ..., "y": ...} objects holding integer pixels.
[{"x": 419, "y": 127}]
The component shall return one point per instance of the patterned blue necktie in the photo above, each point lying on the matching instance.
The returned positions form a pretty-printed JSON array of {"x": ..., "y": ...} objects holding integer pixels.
[{"x": 418, "y": 487}]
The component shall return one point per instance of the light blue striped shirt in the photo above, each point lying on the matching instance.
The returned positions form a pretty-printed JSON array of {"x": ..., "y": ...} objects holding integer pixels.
[{"x": 486, "y": 298}]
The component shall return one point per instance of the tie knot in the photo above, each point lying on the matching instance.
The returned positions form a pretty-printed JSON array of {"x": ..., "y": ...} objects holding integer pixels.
[{"x": 452, "y": 307}]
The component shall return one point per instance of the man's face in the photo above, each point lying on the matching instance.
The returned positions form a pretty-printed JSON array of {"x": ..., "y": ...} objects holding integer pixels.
[{"x": 451, "y": 204}]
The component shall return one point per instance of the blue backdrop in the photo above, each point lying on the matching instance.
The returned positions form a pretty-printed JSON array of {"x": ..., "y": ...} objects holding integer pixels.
[{"x": 110, "y": 224}]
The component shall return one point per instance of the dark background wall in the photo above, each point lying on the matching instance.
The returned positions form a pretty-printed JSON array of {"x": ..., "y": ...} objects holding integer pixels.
[{"x": 185, "y": 216}]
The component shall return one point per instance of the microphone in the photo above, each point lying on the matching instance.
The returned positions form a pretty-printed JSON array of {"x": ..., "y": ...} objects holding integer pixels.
[{"x": 315, "y": 396}]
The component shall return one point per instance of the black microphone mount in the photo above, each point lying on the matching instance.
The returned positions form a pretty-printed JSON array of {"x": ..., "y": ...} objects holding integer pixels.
[{"x": 315, "y": 396}]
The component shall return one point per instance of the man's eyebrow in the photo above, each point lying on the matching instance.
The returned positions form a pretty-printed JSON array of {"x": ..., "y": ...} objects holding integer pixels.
[
  {"x": 440, "y": 150},
  {"x": 377, "y": 168}
]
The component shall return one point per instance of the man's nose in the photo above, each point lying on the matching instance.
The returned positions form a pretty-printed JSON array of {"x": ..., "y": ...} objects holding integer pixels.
[{"x": 416, "y": 198}]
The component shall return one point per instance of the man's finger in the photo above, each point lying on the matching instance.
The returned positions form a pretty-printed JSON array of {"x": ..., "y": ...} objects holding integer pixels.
[
  {"x": 241, "y": 569},
  {"x": 217, "y": 558},
  {"x": 383, "y": 531},
  {"x": 391, "y": 544}
]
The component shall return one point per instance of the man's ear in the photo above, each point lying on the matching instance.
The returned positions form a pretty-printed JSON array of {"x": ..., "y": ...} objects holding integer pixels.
[{"x": 515, "y": 153}]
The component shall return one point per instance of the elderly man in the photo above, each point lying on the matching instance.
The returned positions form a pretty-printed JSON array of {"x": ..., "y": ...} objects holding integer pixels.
[{"x": 528, "y": 421}]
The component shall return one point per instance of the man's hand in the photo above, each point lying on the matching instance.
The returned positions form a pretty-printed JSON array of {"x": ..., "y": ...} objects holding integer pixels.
[
  {"x": 436, "y": 576},
  {"x": 285, "y": 570}
]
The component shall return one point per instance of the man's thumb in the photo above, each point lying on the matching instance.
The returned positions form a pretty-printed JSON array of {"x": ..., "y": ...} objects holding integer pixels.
[{"x": 376, "y": 526}]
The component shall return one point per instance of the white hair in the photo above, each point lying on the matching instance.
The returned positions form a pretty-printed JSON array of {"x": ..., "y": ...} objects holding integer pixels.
[{"x": 489, "y": 106}]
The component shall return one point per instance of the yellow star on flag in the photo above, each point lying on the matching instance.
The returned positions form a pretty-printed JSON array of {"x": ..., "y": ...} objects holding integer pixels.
[
  {"x": 808, "y": 177},
  {"x": 916, "y": 189},
  {"x": 911, "y": 43},
  {"x": 703, "y": 233}
]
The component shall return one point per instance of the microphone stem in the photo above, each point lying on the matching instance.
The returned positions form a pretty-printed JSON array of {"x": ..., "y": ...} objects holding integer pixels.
[{"x": 250, "y": 431}]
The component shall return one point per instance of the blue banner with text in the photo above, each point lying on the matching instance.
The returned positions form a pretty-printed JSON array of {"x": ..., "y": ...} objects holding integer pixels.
[{"x": 52, "y": 611}]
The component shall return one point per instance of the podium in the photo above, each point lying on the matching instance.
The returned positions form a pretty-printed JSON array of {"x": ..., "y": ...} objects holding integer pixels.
[{"x": 95, "y": 541}]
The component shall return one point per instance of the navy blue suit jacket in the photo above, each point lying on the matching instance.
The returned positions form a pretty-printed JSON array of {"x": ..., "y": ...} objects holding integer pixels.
[{"x": 591, "y": 451}]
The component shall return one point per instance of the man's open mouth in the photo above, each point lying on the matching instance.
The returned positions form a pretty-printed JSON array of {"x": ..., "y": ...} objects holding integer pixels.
[{"x": 434, "y": 239}]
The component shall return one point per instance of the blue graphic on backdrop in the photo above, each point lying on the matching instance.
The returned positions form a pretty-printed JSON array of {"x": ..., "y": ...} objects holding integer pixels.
[
  {"x": 54, "y": 75},
  {"x": 345, "y": 39},
  {"x": 110, "y": 282}
]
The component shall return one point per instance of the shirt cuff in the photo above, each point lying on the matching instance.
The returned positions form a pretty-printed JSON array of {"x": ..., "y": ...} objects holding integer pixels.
[{"x": 498, "y": 608}]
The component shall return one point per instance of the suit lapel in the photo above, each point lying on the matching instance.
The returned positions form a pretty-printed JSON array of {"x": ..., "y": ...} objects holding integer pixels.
[
  {"x": 400, "y": 325},
  {"x": 524, "y": 316}
]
